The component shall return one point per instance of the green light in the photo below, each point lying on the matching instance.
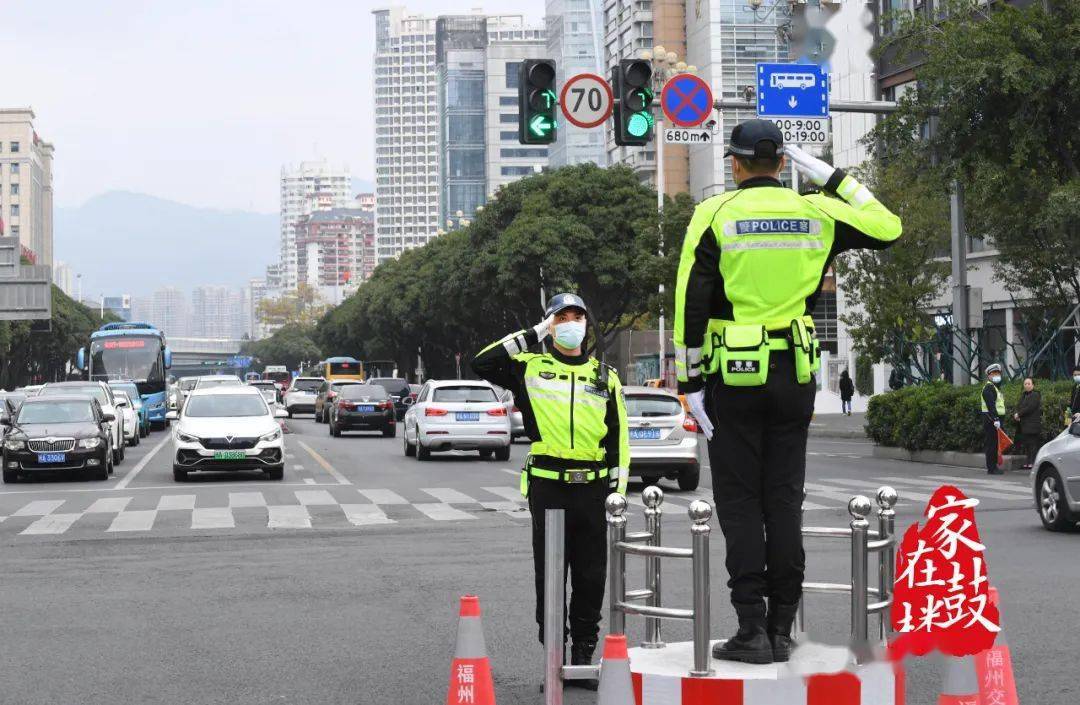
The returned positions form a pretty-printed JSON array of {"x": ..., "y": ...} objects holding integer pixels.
[
  {"x": 639, "y": 123},
  {"x": 550, "y": 97},
  {"x": 540, "y": 125}
]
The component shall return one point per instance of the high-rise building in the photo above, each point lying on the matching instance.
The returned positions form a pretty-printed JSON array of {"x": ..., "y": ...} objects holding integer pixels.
[
  {"x": 64, "y": 278},
  {"x": 406, "y": 132},
  {"x": 254, "y": 292},
  {"x": 305, "y": 188},
  {"x": 167, "y": 309},
  {"x": 365, "y": 202},
  {"x": 334, "y": 251},
  {"x": 575, "y": 39},
  {"x": 216, "y": 312},
  {"x": 26, "y": 186}
]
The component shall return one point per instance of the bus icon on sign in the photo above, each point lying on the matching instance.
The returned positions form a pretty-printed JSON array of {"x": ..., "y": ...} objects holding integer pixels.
[{"x": 792, "y": 80}]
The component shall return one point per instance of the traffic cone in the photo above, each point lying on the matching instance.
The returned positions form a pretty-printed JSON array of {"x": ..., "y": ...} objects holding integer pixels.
[
  {"x": 616, "y": 684},
  {"x": 470, "y": 671},
  {"x": 961, "y": 682},
  {"x": 994, "y": 668}
]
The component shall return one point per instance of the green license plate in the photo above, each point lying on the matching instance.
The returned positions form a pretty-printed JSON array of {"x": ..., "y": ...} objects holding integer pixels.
[{"x": 229, "y": 455}]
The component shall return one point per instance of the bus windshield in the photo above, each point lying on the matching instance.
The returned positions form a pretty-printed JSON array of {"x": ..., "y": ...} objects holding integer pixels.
[{"x": 128, "y": 357}]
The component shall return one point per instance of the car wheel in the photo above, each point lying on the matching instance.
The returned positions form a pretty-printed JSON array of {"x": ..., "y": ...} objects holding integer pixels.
[
  {"x": 410, "y": 448},
  {"x": 179, "y": 474},
  {"x": 1053, "y": 509},
  {"x": 689, "y": 480},
  {"x": 485, "y": 454},
  {"x": 10, "y": 477},
  {"x": 390, "y": 431},
  {"x": 108, "y": 461},
  {"x": 102, "y": 473},
  {"x": 502, "y": 454},
  {"x": 650, "y": 479},
  {"x": 422, "y": 451},
  {"x": 277, "y": 473},
  {"x": 123, "y": 452},
  {"x": 289, "y": 412}
]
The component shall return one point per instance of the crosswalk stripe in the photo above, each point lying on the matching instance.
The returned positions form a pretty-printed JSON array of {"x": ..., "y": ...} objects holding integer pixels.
[
  {"x": 212, "y": 518},
  {"x": 812, "y": 507},
  {"x": 134, "y": 521},
  {"x": 176, "y": 502},
  {"x": 442, "y": 512},
  {"x": 383, "y": 497},
  {"x": 288, "y": 516},
  {"x": 52, "y": 524},
  {"x": 311, "y": 498},
  {"x": 1001, "y": 485},
  {"x": 993, "y": 494},
  {"x": 39, "y": 508},
  {"x": 364, "y": 514},
  {"x": 246, "y": 499},
  {"x": 827, "y": 492},
  {"x": 109, "y": 505},
  {"x": 509, "y": 493},
  {"x": 446, "y": 494},
  {"x": 872, "y": 488}
]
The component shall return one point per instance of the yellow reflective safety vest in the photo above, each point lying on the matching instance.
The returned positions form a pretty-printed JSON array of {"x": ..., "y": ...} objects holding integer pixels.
[
  {"x": 758, "y": 255},
  {"x": 999, "y": 400},
  {"x": 572, "y": 409}
]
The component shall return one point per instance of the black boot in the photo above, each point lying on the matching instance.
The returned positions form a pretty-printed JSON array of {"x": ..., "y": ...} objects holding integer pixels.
[
  {"x": 781, "y": 617},
  {"x": 751, "y": 643},
  {"x": 581, "y": 653}
]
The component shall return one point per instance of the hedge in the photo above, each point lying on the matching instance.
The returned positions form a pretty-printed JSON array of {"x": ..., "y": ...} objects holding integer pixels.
[{"x": 939, "y": 416}]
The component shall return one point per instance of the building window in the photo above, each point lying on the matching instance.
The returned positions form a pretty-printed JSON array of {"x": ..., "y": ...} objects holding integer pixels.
[
  {"x": 512, "y": 74},
  {"x": 14, "y": 210},
  {"x": 15, "y": 168},
  {"x": 14, "y": 147},
  {"x": 14, "y": 189},
  {"x": 14, "y": 231},
  {"x": 508, "y": 100},
  {"x": 508, "y": 118},
  {"x": 508, "y": 135},
  {"x": 509, "y": 153},
  {"x": 517, "y": 170}
]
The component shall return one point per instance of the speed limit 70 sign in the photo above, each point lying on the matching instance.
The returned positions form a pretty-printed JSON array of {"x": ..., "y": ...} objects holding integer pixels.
[
  {"x": 586, "y": 100},
  {"x": 804, "y": 130}
]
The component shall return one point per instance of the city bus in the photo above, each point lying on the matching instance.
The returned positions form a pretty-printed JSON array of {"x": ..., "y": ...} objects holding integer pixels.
[
  {"x": 342, "y": 368},
  {"x": 130, "y": 351},
  {"x": 278, "y": 374}
]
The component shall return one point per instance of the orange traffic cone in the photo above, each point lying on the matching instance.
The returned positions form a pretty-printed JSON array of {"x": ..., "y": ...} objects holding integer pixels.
[
  {"x": 616, "y": 685},
  {"x": 470, "y": 672},
  {"x": 961, "y": 683},
  {"x": 994, "y": 668}
]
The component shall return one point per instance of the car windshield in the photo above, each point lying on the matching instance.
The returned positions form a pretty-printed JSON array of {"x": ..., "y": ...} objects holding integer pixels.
[
  {"x": 224, "y": 381},
  {"x": 373, "y": 392},
  {"x": 268, "y": 394},
  {"x": 392, "y": 385},
  {"x": 130, "y": 388},
  {"x": 121, "y": 395},
  {"x": 56, "y": 412},
  {"x": 306, "y": 385},
  {"x": 225, "y": 405},
  {"x": 188, "y": 383},
  {"x": 462, "y": 393},
  {"x": 88, "y": 390},
  {"x": 652, "y": 405}
]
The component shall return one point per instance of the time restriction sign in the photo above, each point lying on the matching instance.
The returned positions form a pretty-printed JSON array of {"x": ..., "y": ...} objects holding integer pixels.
[
  {"x": 586, "y": 100},
  {"x": 803, "y": 130}
]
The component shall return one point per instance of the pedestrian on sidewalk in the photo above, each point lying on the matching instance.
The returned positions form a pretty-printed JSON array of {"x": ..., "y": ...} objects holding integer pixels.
[
  {"x": 992, "y": 404},
  {"x": 1029, "y": 414},
  {"x": 847, "y": 391},
  {"x": 1073, "y": 412}
]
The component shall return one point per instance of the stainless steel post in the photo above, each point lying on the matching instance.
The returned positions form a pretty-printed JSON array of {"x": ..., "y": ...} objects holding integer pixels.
[
  {"x": 653, "y": 497},
  {"x": 700, "y": 513},
  {"x": 801, "y": 614},
  {"x": 616, "y": 509},
  {"x": 554, "y": 589},
  {"x": 886, "y": 500},
  {"x": 859, "y": 508}
]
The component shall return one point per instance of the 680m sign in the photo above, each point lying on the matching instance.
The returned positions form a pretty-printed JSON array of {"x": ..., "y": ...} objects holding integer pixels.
[{"x": 804, "y": 130}]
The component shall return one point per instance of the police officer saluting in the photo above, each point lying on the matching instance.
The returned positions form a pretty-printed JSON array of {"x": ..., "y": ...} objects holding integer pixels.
[
  {"x": 572, "y": 408},
  {"x": 752, "y": 267}
]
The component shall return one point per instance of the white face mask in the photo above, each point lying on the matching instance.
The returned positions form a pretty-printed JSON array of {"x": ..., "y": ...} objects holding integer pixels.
[
  {"x": 570, "y": 334},
  {"x": 996, "y": 379},
  {"x": 1076, "y": 378}
]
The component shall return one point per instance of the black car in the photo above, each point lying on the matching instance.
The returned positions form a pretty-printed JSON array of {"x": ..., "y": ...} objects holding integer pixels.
[
  {"x": 363, "y": 407},
  {"x": 399, "y": 391},
  {"x": 328, "y": 391},
  {"x": 58, "y": 433}
]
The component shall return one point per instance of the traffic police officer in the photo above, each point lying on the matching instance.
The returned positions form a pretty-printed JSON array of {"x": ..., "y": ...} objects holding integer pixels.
[
  {"x": 572, "y": 408},
  {"x": 752, "y": 267},
  {"x": 992, "y": 405}
]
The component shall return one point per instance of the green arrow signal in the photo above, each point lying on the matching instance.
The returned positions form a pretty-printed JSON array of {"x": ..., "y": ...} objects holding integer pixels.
[{"x": 540, "y": 125}]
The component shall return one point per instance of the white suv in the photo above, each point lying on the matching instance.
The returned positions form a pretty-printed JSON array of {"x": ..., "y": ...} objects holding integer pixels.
[
  {"x": 300, "y": 397},
  {"x": 457, "y": 415}
]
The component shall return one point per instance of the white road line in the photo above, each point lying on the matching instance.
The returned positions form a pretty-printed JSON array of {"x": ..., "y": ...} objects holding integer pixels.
[
  {"x": 515, "y": 473},
  {"x": 993, "y": 494},
  {"x": 298, "y": 467},
  {"x": 134, "y": 521},
  {"x": 311, "y": 498},
  {"x": 309, "y": 481},
  {"x": 383, "y": 497},
  {"x": 51, "y": 524},
  {"x": 288, "y": 516},
  {"x": 212, "y": 518},
  {"x": 811, "y": 507},
  {"x": 365, "y": 514},
  {"x": 39, "y": 508},
  {"x": 827, "y": 492},
  {"x": 871, "y": 488},
  {"x": 442, "y": 512},
  {"x": 246, "y": 499},
  {"x": 142, "y": 488},
  {"x": 126, "y": 480},
  {"x": 176, "y": 501},
  {"x": 509, "y": 493},
  {"x": 109, "y": 505},
  {"x": 325, "y": 465},
  {"x": 1000, "y": 485},
  {"x": 290, "y": 455},
  {"x": 445, "y": 494}
]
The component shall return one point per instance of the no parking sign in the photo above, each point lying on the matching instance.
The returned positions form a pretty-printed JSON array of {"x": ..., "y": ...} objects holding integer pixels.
[{"x": 686, "y": 100}]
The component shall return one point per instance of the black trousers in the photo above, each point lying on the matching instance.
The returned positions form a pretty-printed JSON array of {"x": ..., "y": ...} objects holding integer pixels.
[
  {"x": 586, "y": 550},
  {"x": 1032, "y": 443},
  {"x": 990, "y": 444},
  {"x": 758, "y": 458}
]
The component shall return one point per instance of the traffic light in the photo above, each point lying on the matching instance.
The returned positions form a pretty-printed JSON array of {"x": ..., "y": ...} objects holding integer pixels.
[
  {"x": 537, "y": 102},
  {"x": 631, "y": 82}
]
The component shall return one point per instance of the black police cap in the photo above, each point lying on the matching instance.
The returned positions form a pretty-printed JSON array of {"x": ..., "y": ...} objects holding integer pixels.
[{"x": 756, "y": 139}]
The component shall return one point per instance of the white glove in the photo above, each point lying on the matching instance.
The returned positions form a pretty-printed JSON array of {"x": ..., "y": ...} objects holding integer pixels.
[
  {"x": 815, "y": 169},
  {"x": 997, "y": 424},
  {"x": 543, "y": 328},
  {"x": 696, "y": 400}
]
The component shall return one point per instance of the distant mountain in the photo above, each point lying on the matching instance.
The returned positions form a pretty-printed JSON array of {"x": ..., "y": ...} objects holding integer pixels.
[{"x": 123, "y": 242}]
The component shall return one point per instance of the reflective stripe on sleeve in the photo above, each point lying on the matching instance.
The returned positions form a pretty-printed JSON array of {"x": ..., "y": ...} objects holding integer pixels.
[{"x": 773, "y": 245}]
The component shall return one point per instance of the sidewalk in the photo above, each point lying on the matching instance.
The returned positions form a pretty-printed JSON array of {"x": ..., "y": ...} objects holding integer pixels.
[{"x": 838, "y": 426}]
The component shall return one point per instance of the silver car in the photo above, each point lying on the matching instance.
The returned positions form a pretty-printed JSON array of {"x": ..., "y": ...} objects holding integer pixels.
[
  {"x": 663, "y": 438},
  {"x": 1055, "y": 480},
  {"x": 457, "y": 415}
]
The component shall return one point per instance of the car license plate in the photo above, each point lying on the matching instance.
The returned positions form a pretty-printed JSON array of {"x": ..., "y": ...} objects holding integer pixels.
[
  {"x": 366, "y": 408},
  {"x": 229, "y": 455},
  {"x": 467, "y": 415},
  {"x": 644, "y": 434},
  {"x": 52, "y": 457}
]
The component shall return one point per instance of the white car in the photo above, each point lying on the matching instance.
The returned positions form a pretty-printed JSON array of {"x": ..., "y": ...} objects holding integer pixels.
[
  {"x": 227, "y": 428},
  {"x": 1055, "y": 480},
  {"x": 300, "y": 397},
  {"x": 206, "y": 381},
  {"x": 457, "y": 415},
  {"x": 127, "y": 409},
  {"x": 104, "y": 394},
  {"x": 663, "y": 438}
]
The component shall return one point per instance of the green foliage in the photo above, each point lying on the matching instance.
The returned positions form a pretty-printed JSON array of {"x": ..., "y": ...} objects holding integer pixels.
[
  {"x": 939, "y": 416},
  {"x": 864, "y": 375},
  {"x": 290, "y": 345}
]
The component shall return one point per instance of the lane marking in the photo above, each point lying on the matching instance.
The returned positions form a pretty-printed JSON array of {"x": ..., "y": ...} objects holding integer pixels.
[
  {"x": 247, "y": 499},
  {"x": 314, "y": 498},
  {"x": 134, "y": 521},
  {"x": 827, "y": 492},
  {"x": 325, "y": 465},
  {"x": 176, "y": 501},
  {"x": 212, "y": 518},
  {"x": 442, "y": 512},
  {"x": 383, "y": 497},
  {"x": 515, "y": 473},
  {"x": 109, "y": 505},
  {"x": 126, "y": 480},
  {"x": 309, "y": 481},
  {"x": 39, "y": 508},
  {"x": 509, "y": 493},
  {"x": 205, "y": 485},
  {"x": 288, "y": 516},
  {"x": 514, "y": 510},
  {"x": 871, "y": 488},
  {"x": 51, "y": 524},
  {"x": 1021, "y": 495},
  {"x": 365, "y": 514},
  {"x": 298, "y": 467},
  {"x": 447, "y": 495},
  {"x": 1002, "y": 485}
]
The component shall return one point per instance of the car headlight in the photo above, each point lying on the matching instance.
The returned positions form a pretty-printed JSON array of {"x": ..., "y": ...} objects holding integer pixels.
[
  {"x": 89, "y": 442},
  {"x": 272, "y": 436},
  {"x": 14, "y": 443},
  {"x": 185, "y": 438}
]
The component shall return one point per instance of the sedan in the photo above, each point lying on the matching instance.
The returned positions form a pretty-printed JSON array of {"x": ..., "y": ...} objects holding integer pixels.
[
  {"x": 457, "y": 415},
  {"x": 227, "y": 428},
  {"x": 663, "y": 437},
  {"x": 328, "y": 391},
  {"x": 399, "y": 392},
  {"x": 141, "y": 410},
  {"x": 1055, "y": 480},
  {"x": 58, "y": 433},
  {"x": 363, "y": 407},
  {"x": 104, "y": 395}
]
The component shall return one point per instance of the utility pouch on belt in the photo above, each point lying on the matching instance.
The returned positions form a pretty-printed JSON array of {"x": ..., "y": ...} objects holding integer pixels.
[
  {"x": 806, "y": 349},
  {"x": 744, "y": 355}
]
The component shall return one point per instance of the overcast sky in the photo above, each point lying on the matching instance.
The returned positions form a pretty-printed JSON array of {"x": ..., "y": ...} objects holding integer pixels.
[{"x": 198, "y": 101}]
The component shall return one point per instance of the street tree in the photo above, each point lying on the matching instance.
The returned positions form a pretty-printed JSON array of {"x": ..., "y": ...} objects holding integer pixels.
[
  {"x": 290, "y": 345},
  {"x": 303, "y": 306}
]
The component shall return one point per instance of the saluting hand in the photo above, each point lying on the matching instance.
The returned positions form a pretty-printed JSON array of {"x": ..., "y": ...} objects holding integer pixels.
[{"x": 815, "y": 169}]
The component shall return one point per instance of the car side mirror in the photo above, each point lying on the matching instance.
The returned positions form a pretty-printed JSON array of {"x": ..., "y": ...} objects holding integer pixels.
[
  {"x": 281, "y": 414},
  {"x": 408, "y": 401},
  {"x": 1074, "y": 429},
  {"x": 172, "y": 416},
  {"x": 109, "y": 417},
  {"x": 5, "y": 420}
]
